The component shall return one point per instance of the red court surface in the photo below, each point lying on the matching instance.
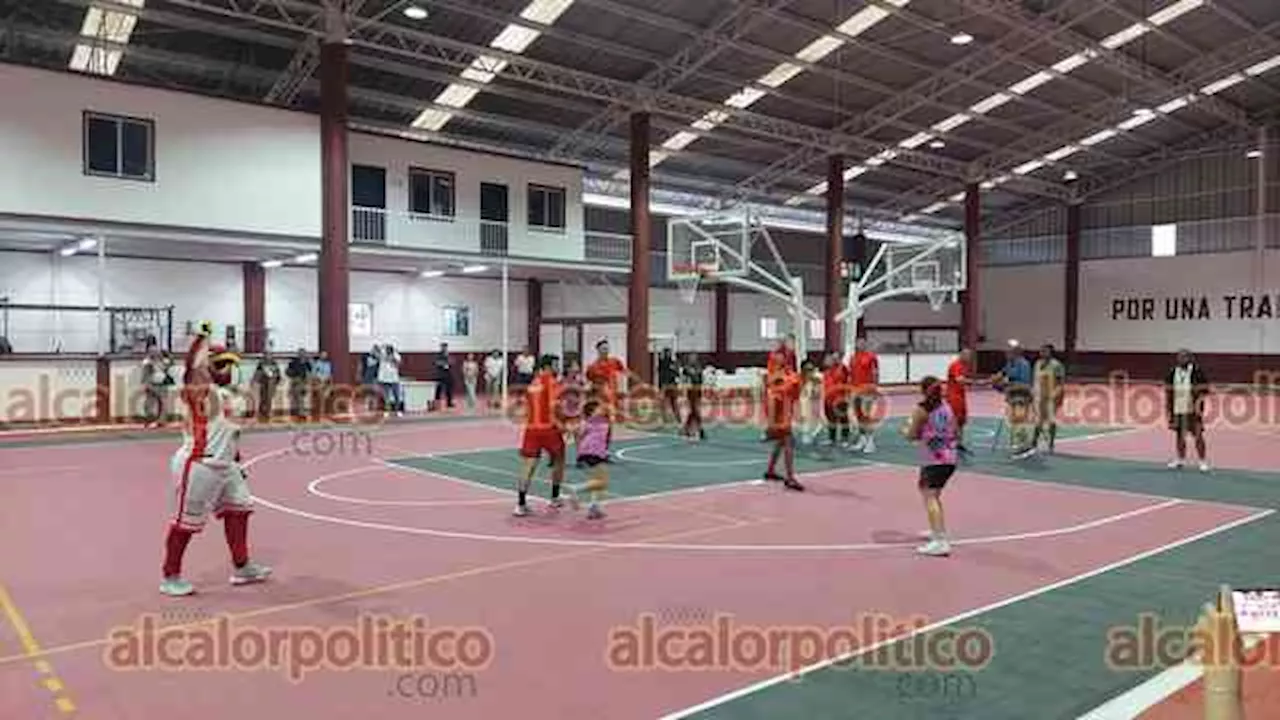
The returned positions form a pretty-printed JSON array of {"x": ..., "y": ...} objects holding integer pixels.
[{"x": 83, "y": 527}]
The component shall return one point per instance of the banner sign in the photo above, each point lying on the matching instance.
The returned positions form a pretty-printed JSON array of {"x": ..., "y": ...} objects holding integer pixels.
[{"x": 1196, "y": 307}]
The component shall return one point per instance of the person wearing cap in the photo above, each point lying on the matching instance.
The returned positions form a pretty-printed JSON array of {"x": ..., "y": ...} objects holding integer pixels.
[
  {"x": 1015, "y": 380},
  {"x": 605, "y": 376},
  {"x": 209, "y": 478}
]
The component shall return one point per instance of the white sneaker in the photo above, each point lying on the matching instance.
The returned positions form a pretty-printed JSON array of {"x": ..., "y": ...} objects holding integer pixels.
[
  {"x": 935, "y": 548},
  {"x": 1175, "y": 464},
  {"x": 869, "y": 446},
  {"x": 1204, "y": 466},
  {"x": 520, "y": 511}
]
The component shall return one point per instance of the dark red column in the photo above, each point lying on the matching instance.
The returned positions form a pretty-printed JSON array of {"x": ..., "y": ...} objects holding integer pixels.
[
  {"x": 334, "y": 281},
  {"x": 1071, "y": 318},
  {"x": 970, "y": 301},
  {"x": 835, "y": 250},
  {"x": 722, "y": 325},
  {"x": 535, "y": 317},
  {"x": 255, "y": 308},
  {"x": 641, "y": 242}
]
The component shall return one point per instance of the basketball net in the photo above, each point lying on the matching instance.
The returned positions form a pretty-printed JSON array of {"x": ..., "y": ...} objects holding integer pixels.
[{"x": 689, "y": 282}]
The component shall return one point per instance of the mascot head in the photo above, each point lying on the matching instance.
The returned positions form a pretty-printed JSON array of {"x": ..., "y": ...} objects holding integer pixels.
[{"x": 223, "y": 362}]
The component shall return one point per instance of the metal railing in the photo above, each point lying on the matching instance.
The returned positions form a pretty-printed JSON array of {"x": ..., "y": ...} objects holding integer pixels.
[
  {"x": 495, "y": 238},
  {"x": 368, "y": 225}
]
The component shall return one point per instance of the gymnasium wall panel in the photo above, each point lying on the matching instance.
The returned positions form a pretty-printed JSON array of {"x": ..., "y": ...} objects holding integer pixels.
[
  {"x": 1223, "y": 303},
  {"x": 1022, "y": 302},
  {"x": 198, "y": 291},
  {"x": 219, "y": 165},
  {"x": 406, "y": 311}
]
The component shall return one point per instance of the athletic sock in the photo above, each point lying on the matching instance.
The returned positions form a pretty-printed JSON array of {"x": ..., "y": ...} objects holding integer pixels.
[
  {"x": 555, "y": 490},
  {"x": 175, "y": 547},
  {"x": 236, "y": 527},
  {"x": 524, "y": 496}
]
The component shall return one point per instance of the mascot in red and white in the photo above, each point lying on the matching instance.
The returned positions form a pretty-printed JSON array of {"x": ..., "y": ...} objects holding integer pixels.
[{"x": 207, "y": 471}]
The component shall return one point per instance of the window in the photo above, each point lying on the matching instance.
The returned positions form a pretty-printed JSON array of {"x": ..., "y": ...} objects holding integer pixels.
[
  {"x": 546, "y": 207},
  {"x": 119, "y": 147},
  {"x": 769, "y": 328},
  {"x": 817, "y": 329},
  {"x": 457, "y": 321},
  {"x": 1164, "y": 240},
  {"x": 493, "y": 202},
  {"x": 360, "y": 319},
  {"x": 369, "y": 186},
  {"x": 431, "y": 193}
]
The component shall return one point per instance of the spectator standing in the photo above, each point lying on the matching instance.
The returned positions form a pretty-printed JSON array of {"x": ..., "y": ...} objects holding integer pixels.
[
  {"x": 444, "y": 376},
  {"x": 494, "y": 375},
  {"x": 299, "y": 374},
  {"x": 525, "y": 363},
  {"x": 389, "y": 379},
  {"x": 471, "y": 380},
  {"x": 267, "y": 379}
]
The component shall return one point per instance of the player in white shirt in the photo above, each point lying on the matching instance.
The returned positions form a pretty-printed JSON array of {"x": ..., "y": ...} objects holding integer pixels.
[{"x": 208, "y": 476}]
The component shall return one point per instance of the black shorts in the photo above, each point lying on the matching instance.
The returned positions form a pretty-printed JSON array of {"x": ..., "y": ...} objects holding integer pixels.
[
  {"x": 935, "y": 477},
  {"x": 1189, "y": 423},
  {"x": 592, "y": 460}
]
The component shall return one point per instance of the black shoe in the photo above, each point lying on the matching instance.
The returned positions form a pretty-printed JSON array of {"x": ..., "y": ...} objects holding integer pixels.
[
  {"x": 774, "y": 477},
  {"x": 792, "y": 484}
]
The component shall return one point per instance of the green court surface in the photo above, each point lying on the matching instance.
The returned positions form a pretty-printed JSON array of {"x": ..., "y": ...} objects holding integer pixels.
[
  {"x": 661, "y": 462},
  {"x": 1049, "y": 661}
]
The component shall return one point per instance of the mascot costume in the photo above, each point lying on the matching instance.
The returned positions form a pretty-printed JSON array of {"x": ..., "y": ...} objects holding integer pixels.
[{"x": 208, "y": 476}]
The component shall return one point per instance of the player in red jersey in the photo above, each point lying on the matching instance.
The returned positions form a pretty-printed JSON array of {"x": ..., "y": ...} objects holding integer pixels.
[
  {"x": 605, "y": 376},
  {"x": 835, "y": 400},
  {"x": 543, "y": 433},
  {"x": 864, "y": 379},
  {"x": 959, "y": 379},
  {"x": 782, "y": 396}
]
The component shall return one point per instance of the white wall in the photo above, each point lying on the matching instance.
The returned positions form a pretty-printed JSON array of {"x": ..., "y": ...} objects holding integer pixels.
[
  {"x": 198, "y": 291},
  {"x": 1023, "y": 302},
  {"x": 219, "y": 165},
  {"x": 1158, "y": 284},
  {"x": 470, "y": 170},
  {"x": 407, "y": 311},
  {"x": 669, "y": 314}
]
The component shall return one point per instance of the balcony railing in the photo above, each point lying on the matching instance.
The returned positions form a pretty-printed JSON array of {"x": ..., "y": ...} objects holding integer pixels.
[{"x": 495, "y": 238}]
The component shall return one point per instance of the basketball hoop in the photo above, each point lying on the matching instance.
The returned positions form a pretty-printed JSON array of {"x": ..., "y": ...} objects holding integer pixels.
[
  {"x": 937, "y": 299},
  {"x": 687, "y": 279}
]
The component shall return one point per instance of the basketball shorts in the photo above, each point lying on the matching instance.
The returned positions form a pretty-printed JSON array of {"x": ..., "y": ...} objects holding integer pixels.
[
  {"x": 1185, "y": 423},
  {"x": 838, "y": 412},
  {"x": 935, "y": 477},
  {"x": 201, "y": 490},
  {"x": 592, "y": 460},
  {"x": 538, "y": 441},
  {"x": 778, "y": 434},
  {"x": 960, "y": 409},
  {"x": 1047, "y": 409}
]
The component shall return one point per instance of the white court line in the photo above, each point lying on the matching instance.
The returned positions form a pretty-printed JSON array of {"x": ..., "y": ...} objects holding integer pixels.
[
  {"x": 622, "y": 454},
  {"x": 1138, "y": 700},
  {"x": 850, "y": 547},
  {"x": 776, "y": 680}
]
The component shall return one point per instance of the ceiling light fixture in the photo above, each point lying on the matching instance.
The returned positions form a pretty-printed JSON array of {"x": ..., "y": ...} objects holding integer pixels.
[
  {"x": 473, "y": 269},
  {"x": 432, "y": 273},
  {"x": 413, "y": 12},
  {"x": 961, "y": 39},
  {"x": 1253, "y": 154},
  {"x": 1070, "y": 175},
  {"x": 937, "y": 145}
]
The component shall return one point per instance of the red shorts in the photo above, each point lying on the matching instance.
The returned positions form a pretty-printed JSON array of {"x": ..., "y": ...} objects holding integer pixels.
[
  {"x": 538, "y": 441},
  {"x": 778, "y": 434},
  {"x": 959, "y": 408}
]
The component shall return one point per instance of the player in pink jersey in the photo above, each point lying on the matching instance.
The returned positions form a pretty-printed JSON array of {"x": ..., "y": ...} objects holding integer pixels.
[
  {"x": 593, "y": 454},
  {"x": 933, "y": 426},
  {"x": 208, "y": 477}
]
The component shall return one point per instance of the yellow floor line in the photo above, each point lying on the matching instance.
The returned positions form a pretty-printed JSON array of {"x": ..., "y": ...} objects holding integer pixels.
[{"x": 48, "y": 679}]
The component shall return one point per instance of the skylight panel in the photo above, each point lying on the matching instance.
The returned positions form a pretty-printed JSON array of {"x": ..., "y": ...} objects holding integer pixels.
[
  {"x": 991, "y": 103},
  {"x": 952, "y": 122},
  {"x": 1216, "y": 87},
  {"x": 781, "y": 74},
  {"x": 1126, "y": 36},
  {"x": 820, "y": 48},
  {"x": 1099, "y": 137}
]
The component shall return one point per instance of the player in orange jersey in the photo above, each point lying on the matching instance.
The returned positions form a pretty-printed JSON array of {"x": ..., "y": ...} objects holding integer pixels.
[
  {"x": 543, "y": 433},
  {"x": 782, "y": 357},
  {"x": 835, "y": 400},
  {"x": 782, "y": 396},
  {"x": 959, "y": 379},
  {"x": 864, "y": 379},
  {"x": 605, "y": 376}
]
